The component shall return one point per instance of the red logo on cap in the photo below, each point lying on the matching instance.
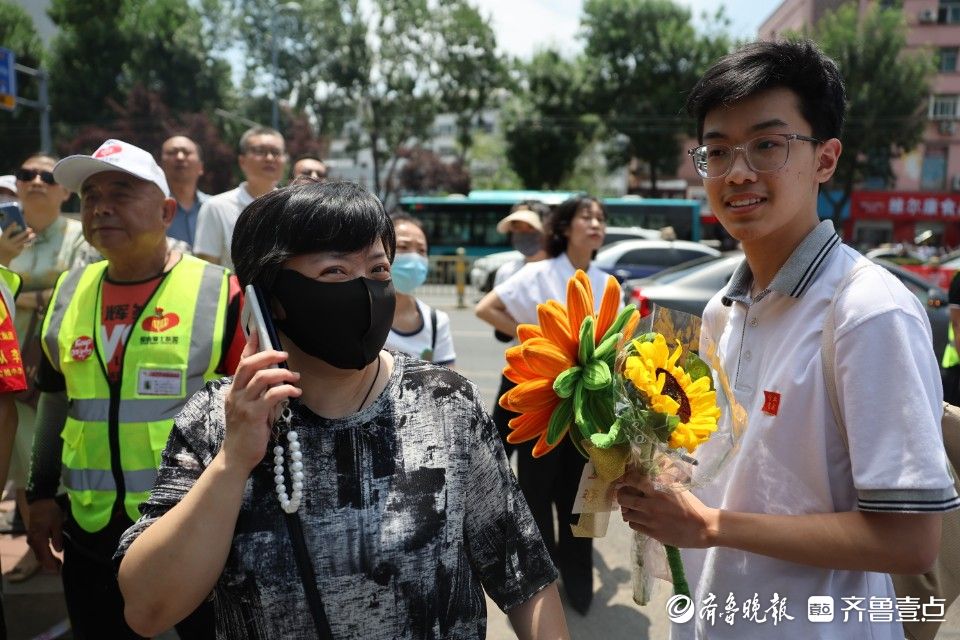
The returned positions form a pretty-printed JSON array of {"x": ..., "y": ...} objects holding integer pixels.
[
  {"x": 108, "y": 150},
  {"x": 82, "y": 348},
  {"x": 160, "y": 321},
  {"x": 771, "y": 402}
]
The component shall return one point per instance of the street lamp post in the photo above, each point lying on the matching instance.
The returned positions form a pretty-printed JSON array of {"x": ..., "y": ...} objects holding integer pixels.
[{"x": 288, "y": 6}]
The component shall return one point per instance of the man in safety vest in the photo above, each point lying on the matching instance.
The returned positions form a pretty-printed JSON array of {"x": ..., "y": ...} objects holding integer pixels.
[
  {"x": 12, "y": 380},
  {"x": 127, "y": 341}
]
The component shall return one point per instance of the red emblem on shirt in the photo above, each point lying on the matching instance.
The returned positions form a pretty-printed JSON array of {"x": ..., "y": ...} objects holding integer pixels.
[
  {"x": 82, "y": 348},
  {"x": 160, "y": 321},
  {"x": 771, "y": 402},
  {"x": 108, "y": 151}
]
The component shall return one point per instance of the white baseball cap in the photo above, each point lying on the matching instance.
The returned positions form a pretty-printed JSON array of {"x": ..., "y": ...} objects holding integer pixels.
[
  {"x": 520, "y": 215},
  {"x": 113, "y": 155},
  {"x": 9, "y": 183}
]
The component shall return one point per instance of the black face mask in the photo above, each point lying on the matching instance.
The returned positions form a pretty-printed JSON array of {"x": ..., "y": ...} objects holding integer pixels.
[{"x": 343, "y": 323}]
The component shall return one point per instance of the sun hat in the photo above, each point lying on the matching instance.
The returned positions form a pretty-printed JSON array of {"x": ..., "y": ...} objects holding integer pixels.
[
  {"x": 113, "y": 155},
  {"x": 520, "y": 215}
]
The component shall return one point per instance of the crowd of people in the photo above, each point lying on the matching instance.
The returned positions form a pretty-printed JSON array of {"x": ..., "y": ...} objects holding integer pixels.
[{"x": 345, "y": 481}]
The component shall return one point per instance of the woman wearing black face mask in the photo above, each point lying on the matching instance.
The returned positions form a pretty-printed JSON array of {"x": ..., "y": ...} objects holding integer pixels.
[{"x": 379, "y": 502}]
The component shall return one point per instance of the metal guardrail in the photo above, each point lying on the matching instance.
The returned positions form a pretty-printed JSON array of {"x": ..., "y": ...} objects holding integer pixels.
[{"x": 446, "y": 271}]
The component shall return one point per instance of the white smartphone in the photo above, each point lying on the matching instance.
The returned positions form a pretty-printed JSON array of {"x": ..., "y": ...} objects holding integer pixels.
[{"x": 255, "y": 317}]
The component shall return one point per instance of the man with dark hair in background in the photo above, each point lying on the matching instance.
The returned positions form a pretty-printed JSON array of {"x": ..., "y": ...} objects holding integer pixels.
[
  {"x": 309, "y": 167},
  {"x": 182, "y": 163}
]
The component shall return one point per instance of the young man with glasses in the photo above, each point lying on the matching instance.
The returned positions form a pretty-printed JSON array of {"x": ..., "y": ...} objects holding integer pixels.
[
  {"x": 262, "y": 159},
  {"x": 796, "y": 513}
]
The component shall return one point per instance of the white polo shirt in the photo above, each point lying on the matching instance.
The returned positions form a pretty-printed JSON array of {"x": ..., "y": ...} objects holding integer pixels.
[
  {"x": 791, "y": 459},
  {"x": 215, "y": 222}
]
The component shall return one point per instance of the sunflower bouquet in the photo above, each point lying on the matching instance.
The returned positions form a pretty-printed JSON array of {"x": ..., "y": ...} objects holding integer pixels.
[{"x": 628, "y": 391}]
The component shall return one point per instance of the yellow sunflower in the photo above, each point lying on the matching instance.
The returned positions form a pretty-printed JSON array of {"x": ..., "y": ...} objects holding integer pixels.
[{"x": 671, "y": 391}]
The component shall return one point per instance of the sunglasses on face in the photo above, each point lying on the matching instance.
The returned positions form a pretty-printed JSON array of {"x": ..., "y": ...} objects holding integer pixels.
[{"x": 28, "y": 175}]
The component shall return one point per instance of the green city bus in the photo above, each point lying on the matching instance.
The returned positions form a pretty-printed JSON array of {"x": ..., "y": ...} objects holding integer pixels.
[{"x": 470, "y": 221}]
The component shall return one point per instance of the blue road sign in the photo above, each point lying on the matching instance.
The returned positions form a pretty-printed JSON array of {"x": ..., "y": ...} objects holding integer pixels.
[{"x": 8, "y": 80}]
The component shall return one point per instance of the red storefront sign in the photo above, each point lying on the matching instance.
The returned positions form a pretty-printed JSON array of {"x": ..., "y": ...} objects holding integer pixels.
[{"x": 904, "y": 206}]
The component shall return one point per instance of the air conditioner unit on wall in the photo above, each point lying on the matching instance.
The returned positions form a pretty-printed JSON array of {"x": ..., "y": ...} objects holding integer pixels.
[
  {"x": 947, "y": 127},
  {"x": 927, "y": 16}
]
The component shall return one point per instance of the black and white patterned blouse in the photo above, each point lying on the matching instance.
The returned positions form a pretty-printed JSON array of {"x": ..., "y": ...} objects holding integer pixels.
[{"x": 410, "y": 512}]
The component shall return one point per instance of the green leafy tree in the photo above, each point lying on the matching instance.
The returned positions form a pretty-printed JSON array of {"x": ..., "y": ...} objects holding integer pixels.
[
  {"x": 887, "y": 91},
  {"x": 545, "y": 127},
  {"x": 19, "y": 129},
  {"x": 104, "y": 48},
  {"x": 469, "y": 69},
  {"x": 487, "y": 167},
  {"x": 82, "y": 77},
  {"x": 643, "y": 56}
]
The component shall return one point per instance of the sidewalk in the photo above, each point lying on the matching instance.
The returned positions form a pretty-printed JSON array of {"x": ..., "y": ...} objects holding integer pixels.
[{"x": 34, "y": 609}]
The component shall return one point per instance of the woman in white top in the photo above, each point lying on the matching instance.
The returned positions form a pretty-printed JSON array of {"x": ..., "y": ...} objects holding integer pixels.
[
  {"x": 418, "y": 329},
  {"x": 573, "y": 234}
]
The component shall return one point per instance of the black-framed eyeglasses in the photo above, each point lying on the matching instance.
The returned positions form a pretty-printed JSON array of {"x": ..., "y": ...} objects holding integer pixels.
[
  {"x": 763, "y": 154},
  {"x": 28, "y": 175}
]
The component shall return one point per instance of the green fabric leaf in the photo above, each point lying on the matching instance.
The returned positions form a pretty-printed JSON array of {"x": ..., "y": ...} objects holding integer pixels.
[
  {"x": 586, "y": 340},
  {"x": 600, "y": 406},
  {"x": 620, "y": 322},
  {"x": 565, "y": 382},
  {"x": 559, "y": 421},
  {"x": 697, "y": 368},
  {"x": 607, "y": 347},
  {"x": 609, "y": 439},
  {"x": 596, "y": 375},
  {"x": 579, "y": 400}
]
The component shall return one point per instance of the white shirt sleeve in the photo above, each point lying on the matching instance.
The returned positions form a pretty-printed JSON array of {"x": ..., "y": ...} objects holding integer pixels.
[
  {"x": 444, "y": 353},
  {"x": 209, "y": 236},
  {"x": 888, "y": 385},
  {"x": 520, "y": 294}
]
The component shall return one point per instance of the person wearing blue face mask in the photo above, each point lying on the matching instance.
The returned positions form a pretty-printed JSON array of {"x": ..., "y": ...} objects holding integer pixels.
[{"x": 418, "y": 329}]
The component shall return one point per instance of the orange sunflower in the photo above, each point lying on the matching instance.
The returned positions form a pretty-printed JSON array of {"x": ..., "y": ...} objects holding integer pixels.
[{"x": 556, "y": 361}]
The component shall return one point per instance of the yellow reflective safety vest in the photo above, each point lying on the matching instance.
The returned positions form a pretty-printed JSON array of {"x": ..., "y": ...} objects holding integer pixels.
[
  {"x": 950, "y": 356},
  {"x": 115, "y": 432},
  {"x": 10, "y": 284}
]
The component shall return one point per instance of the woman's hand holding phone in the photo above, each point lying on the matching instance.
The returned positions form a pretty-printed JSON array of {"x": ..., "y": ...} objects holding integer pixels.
[
  {"x": 12, "y": 242},
  {"x": 259, "y": 386}
]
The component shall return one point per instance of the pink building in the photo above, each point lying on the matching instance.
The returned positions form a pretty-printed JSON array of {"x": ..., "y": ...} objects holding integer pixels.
[{"x": 930, "y": 174}]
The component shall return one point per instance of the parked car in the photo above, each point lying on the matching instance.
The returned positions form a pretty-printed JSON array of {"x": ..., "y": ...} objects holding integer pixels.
[
  {"x": 640, "y": 258},
  {"x": 484, "y": 269},
  {"x": 688, "y": 287}
]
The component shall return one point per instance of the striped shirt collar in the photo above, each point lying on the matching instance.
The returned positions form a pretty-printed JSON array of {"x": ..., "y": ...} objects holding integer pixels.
[{"x": 794, "y": 277}]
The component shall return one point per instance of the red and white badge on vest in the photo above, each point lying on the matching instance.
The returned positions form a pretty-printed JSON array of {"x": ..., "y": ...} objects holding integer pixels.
[
  {"x": 771, "y": 403},
  {"x": 82, "y": 348}
]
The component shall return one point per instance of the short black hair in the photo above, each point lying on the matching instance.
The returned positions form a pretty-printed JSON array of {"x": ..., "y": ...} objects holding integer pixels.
[
  {"x": 557, "y": 224},
  {"x": 41, "y": 154},
  {"x": 306, "y": 218},
  {"x": 258, "y": 130},
  {"x": 759, "y": 66},
  {"x": 402, "y": 216}
]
